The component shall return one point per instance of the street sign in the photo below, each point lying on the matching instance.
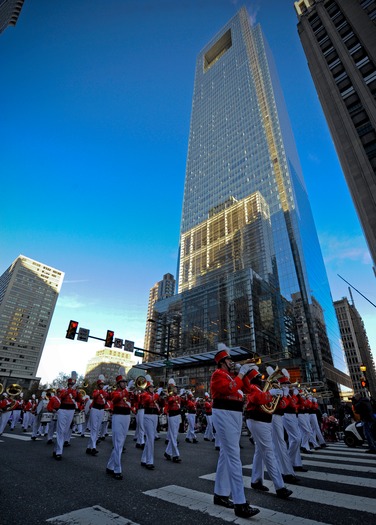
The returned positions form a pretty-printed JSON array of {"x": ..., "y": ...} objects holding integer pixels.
[
  {"x": 129, "y": 346},
  {"x": 118, "y": 343},
  {"x": 138, "y": 353},
  {"x": 83, "y": 334}
]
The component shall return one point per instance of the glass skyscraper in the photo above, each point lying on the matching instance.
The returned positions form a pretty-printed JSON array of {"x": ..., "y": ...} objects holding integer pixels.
[{"x": 250, "y": 269}]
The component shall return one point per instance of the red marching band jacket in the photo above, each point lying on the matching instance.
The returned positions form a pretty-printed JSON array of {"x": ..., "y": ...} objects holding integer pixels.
[
  {"x": 191, "y": 405},
  {"x": 208, "y": 405},
  {"x": 99, "y": 399},
  {"x": 69, "y": 398},
  {"x": 255, "y": 397},
  {"x": 226, "y": 391},
  {"x": 172, "y": 405},
  {"x": 150, "y": 403},
  {"x": 121, "y": 401}
]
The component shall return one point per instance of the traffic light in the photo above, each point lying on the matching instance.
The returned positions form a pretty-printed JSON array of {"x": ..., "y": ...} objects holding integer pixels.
[
  {"x": 363, "y": 382},
  {"x": 109, "y": 338},
  {"x": 72, "y": 329}
]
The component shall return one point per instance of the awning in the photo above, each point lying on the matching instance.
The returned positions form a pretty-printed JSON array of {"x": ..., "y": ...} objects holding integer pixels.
[{"x": 238, "y": 353}]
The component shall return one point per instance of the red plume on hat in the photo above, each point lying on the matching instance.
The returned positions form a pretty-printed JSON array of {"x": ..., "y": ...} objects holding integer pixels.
[{"x": 223, "y": 353}]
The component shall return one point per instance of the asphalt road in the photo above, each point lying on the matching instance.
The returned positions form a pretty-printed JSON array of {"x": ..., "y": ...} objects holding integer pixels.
[{"x": 339, "y": 488}]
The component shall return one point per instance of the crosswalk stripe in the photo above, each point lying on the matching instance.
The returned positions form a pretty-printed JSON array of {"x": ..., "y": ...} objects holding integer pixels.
[
  {"x": 344, "y": 453},
  {"x": 194, "y": 500},
  {"x": 325, "y": 497},
  {"x": 343, "y": 458},
  {"x": 338, "y": 466},
  {"x": 17, "y": 436},
  {"x": 95, "y": 515}
]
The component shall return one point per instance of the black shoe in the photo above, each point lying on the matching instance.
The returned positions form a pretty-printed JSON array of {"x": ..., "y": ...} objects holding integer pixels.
[
  {"x": 195, "y": 441},
  {"x": 259, "y": 486},
  {"x": 217, "y": 448},
  {"x": 88, "y": 451},
  {"x": 58, "y": 457},
  {"x": 188, "y": 440},
  {"x": 66, "y": 444},
  {"x": 290, "y": 478},
  {"x": 33, "y": 438},
  {"x": 94, "y": 452},
  {"x": 49, "y": 441},
  {"x": 245, "y": 511},
  {"x": 138, "y": 445},
  {"x": 167, "y": 456},
  {"x": 283, "y": 493},
  {"x": 176, "y": 459},
  {"x": 371, "y": 451},
  {"x": 118, "y": 476},
  {"x": 150, "y": 467},
  {"x": 305, "y": 451},
  {"x": 166, "y": 441},
  {"x": 324, "y": 445},
  {"x": 110, "y": 472},
  {"x": 206, "y": 439},
  {"x": 143, "y": 464},
  {"x": 223, "y": 501},
  {"x": 300, "y": 469}
]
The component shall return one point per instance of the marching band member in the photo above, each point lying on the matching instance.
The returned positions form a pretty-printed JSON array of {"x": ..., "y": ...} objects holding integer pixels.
[
  {"x": 5, "y": 411},
  {"x": 290, "y": 423},
  {"x": 29, "y": 410},
  {"x": 304, "y": 405},
  {"x": 227, "y": 397},
  {"x": 208, "y": 407},
  {"x": 41, "y": 407},
  {"x": 121, "y": 399},
  {"x": 315, "y": 423},
  {"x": 96, "y": 416},
  {"x": 278, "y": 433},
  {"x": 53, "y": 406},
  {"x": 16, "y": 412},
  {"x": 149, "y": 401},
  {"x": 140, "y": 413},
  {"x": 103, "y": 433},
  {"x": 190, "y": 406},
  {"x": 69, "y": 397},
  {"x": 172, "y": 407},
  {"x": 259, "y": 424}
]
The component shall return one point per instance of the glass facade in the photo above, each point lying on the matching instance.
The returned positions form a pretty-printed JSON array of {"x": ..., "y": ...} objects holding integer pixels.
[{"x": 242, "y": 157}]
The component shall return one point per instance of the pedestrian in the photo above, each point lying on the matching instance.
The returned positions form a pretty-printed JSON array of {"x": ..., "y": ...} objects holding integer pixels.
[
  {"x": 227, "y": 396},
  {"x": 363, "y": 407}
]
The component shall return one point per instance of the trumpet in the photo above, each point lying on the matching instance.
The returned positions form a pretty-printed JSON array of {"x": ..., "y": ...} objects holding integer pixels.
[
  {"x": 272, "y": 382},
  {"x": 255, "y": 360}
]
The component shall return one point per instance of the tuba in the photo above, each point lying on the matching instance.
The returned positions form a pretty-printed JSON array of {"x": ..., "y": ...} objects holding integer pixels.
[
  {"x": 272, "y": 382},
  {"x": 14, "y": 390}
]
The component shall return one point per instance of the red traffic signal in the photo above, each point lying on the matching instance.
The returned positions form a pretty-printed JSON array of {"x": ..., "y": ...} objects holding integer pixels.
[
  {"x": 363, "y": 383},
  {"x": 109, "y": 338},
  {"x": 72, "y": 330}
]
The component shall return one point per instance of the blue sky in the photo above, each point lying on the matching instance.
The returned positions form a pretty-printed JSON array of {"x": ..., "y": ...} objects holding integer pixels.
[{"x": 96, "y": 102}]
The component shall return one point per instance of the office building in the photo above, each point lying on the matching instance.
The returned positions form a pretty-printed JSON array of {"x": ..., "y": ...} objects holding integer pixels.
[
  {"x": 161, "y": 290},
  {"x": 339, "y": 40},
  {"x": 356, "y": 346},
  {"x": 248, "y": 243},
  {"x": 107, "y": 362},
  {"x": 28, "y": 295},
  {"x": 9, "y": 12}
]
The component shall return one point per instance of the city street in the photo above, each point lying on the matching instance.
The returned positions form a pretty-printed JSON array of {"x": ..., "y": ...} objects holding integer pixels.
[{"x": 338, "y": 489}]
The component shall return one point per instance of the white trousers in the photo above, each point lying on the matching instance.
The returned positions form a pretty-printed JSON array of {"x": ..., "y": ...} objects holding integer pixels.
[
  {"x": 280, "y": 445},
  {"x": 209, "y": 428},
  {"x": 120, "y": 427},
  {"x": 150, "y": 425},
  {"x": 96, "y": 418},
  {"x": 27, "y": 420},
  {"x": 64, "y": 421},
  {"x": 191, "y": 426},
  {"x": 229, "y": 473},
  {"x": 264, "y": 454},
  {"x": 306, "y": 431},
  {"x": 140, "y": 429},
  {"x": 290, "y": 422},
  {"x": 173, "y": 430},
  {"x": 4, "y": 420},
  {"x": 316, "y": 429},
  {"x": 15, "y": 417}
]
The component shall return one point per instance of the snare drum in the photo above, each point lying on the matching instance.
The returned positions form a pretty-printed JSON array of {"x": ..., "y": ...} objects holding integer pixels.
[
  {"x": 79, "y": 418},
  {"x": 46, "y": 417}
]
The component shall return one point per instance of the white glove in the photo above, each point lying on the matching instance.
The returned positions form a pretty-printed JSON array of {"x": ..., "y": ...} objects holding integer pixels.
[
  {"x": 295, "y": 391},
  {"x": 130, "y": 384},
  {"x": 286, "y": 390},
  {"x": 244, "y": 369},
  {"x": 160, "y": 389},
  {"x": 106, "y": 387},
  {"x": 276, "y": 391},
  {"x": 237, "y": 367}
]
